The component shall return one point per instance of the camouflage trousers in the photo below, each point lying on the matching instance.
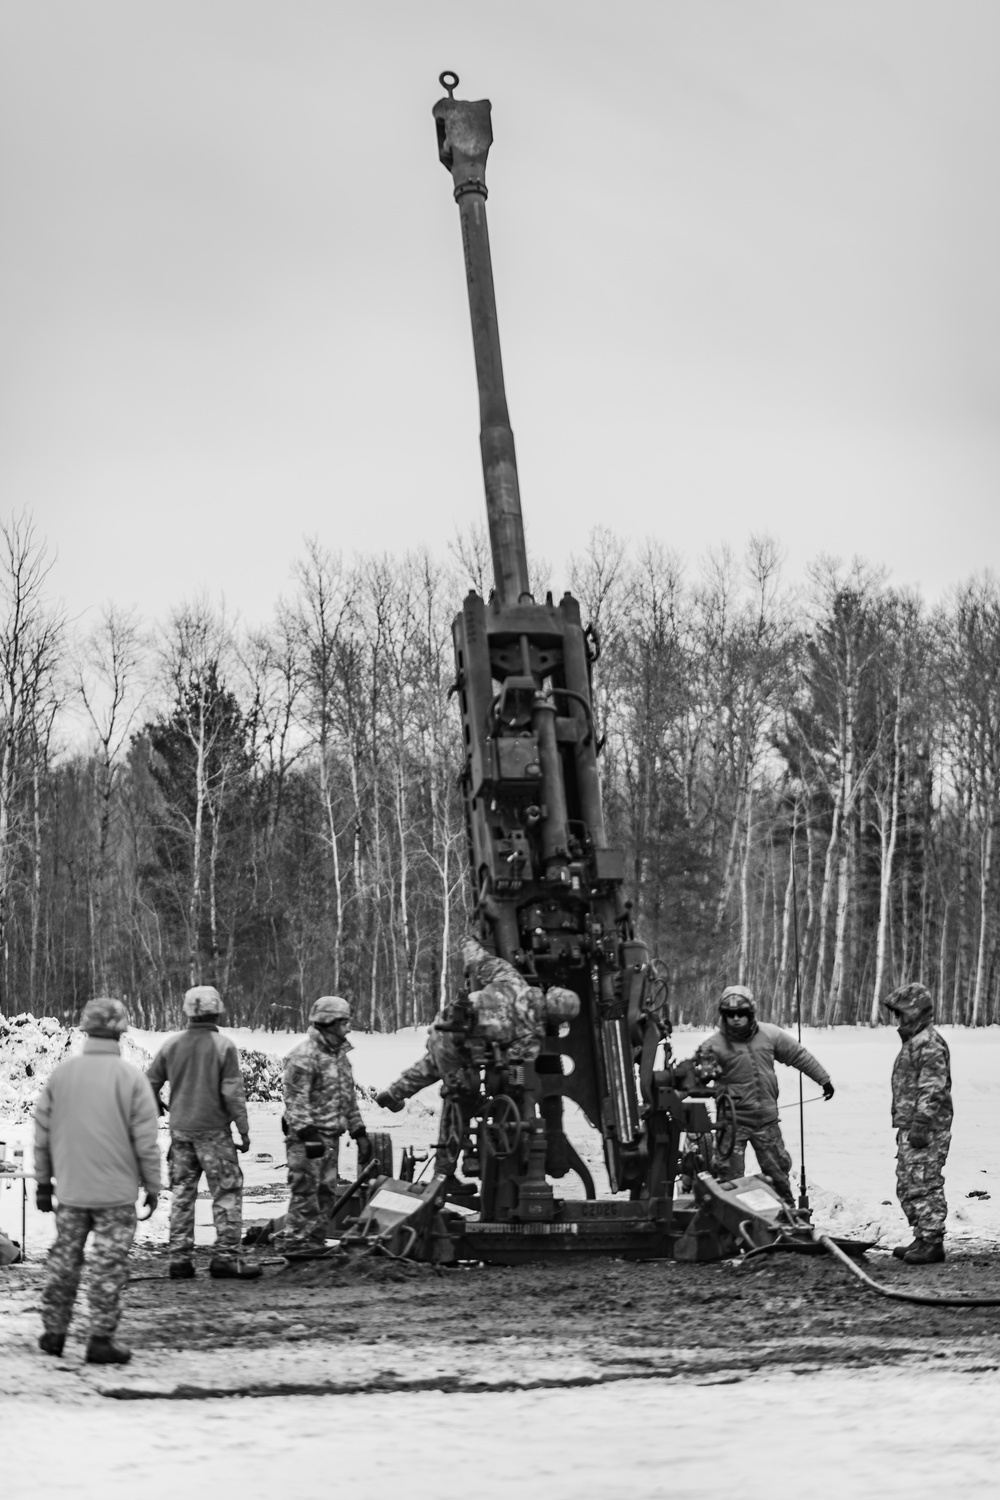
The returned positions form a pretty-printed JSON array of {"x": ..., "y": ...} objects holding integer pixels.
[
  {"x": 113, "y": 1230},
  {"x": 214, "y": 1154},
  {"x": 920, "y": 1183},
  {"x": 312, "y": 1183},
  {"x": 771, "y": 1153}
]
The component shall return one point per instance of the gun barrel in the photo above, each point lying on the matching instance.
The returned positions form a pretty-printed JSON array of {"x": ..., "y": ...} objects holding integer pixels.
[{"x": 465, "y": 135}]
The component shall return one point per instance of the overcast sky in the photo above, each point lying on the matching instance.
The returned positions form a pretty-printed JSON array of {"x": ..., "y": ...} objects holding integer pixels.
[{"x": 746, "y": 255}]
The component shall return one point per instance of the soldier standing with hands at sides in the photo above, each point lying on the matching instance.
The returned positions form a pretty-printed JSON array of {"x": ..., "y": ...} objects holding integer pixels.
[
  {"x": 96, "y": 1133},
  {"x": 320, "y": 1104},
  {"x": 206, "y": 1098},
  {"x": 921, "y": 1114}
]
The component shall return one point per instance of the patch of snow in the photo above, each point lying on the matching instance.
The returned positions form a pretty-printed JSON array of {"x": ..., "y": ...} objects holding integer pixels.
[{"x": 867, "y": 1435}]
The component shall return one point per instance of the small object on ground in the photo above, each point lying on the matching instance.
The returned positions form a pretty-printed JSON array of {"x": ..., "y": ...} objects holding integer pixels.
[
  {"x": 902, "y": 1251},
  {"x": 258, "y": 1234},
  {"x": 232, "y": 1270},
  {"x": 181, "y": 1270},
  {"x": 925, "y": 1253},
  {"x": 331, "y": 1252},
  {"x": 978, "y": 1193},
  {"x": 52, "y": 1343},
  {"x": 104, "y": 1351}
]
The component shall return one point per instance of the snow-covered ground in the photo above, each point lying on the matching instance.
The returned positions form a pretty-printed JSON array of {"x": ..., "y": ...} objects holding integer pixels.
[
  {"x": 886, "y": 1435},
  {"x": 910, "y": 1433}
]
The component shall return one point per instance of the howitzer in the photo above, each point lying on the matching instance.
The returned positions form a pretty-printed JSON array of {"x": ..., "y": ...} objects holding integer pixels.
[{"x": 548, "y": 890}]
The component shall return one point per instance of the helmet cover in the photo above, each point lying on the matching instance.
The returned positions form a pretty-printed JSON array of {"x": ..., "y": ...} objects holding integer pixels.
[
  {"x": 104, "y": 1014},
  {"x": 202, "y": 1000},
  {"x": 328, "y": 1009}
]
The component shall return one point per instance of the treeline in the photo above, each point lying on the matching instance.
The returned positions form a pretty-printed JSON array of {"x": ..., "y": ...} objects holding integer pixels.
[{"x": 805, "y": 784}]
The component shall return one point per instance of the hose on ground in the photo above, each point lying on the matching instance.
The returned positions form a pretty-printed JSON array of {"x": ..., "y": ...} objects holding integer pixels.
[{"x": 923, "y": 1299}]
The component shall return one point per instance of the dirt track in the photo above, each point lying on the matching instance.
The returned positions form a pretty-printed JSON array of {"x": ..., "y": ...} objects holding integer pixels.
[{"x": 375, "y": 1325}]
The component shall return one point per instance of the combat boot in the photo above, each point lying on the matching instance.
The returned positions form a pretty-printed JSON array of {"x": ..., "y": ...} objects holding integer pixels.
[
  {"x": 181, "y": 1270},
  {"x": 231, "y": 1270},
  {"x": 104, "y": 1351},
  {"x": 52, "y": 1343},
  {"x": 902, "y": 1251},
  {"x": 925, "y": 1253}
]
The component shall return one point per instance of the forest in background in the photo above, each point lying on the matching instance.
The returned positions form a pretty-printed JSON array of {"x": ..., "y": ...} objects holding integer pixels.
[{"x": 804, "y": 773}]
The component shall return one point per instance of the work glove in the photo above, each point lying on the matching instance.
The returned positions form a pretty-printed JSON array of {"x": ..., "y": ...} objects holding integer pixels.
[
  {"x": 384, "y": 1100},
  {"x": 43, "y": 1197},
  {"x": 365, "y": 1148},
  {"x": 918, "y": 1138},
  {"x": 244, "y": 1144},
  {"x": 828, "y": 1090}
]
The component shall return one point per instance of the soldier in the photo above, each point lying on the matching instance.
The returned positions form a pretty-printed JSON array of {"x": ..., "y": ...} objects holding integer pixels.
[
  {"x": 206, "y": 1098},
  {"x": 320, "y": 1104},
  {"x": 921, "y": 1115},
  {"x": 502, "y": 1007},
  {"x": 743, "y": 1052},
  {"x": 96, "y": 1131}
]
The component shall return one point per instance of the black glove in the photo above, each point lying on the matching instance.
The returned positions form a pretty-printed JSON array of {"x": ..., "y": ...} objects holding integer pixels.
[
  {"x": 149, "y": 1203},
  {"x": 384, "y": 1100},
  {"x": 309, "y": 1133},
  {"x": 918, "y": 1138},
  {"x": 43, "y": 1197},
  {"x": 828, "y": 1090},
  {"x": 244, "y": 1144},
  {"x": 365, "y": 1148}
]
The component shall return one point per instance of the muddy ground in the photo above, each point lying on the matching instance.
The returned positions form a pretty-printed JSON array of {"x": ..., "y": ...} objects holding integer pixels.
[{"x": 376, "y": 1325}]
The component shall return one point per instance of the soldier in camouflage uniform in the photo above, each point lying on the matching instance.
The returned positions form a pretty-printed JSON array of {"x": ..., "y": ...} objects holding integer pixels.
[
  {"x": 502, "y": 1008},
  {"x": 207, "y": 1098},
  {"x": 921, "y": 1114},
  {"x": 320, "y": 1104},
  {"x": 96, "y": 1132}
]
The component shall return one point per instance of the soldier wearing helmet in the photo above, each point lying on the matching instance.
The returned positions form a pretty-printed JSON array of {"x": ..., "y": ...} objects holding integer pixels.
[
  {"x": 921, "y": 1115},
  {"x": 207, "y": 1098},
  {"x": 95, "y": 1132},
  {"x": 502, "y": 1008},
  {"x": 742, "y": 1054},
  {"x": 320, "y": 1105}
]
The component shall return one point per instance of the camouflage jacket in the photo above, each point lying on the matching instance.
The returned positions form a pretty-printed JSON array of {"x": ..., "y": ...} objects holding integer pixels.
[
  {"x": 510, "y": 1010},
  {"x": 921, "y": 1083},
  {"x": 747, "y": 1069},
  {"x": 318, "y": 1087}
]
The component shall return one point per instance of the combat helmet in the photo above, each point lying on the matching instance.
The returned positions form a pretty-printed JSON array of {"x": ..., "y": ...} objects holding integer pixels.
[
  {"x": 912, "y": 1005},
  {"x": 328, "y": 1009},
  {"x": 104, "y": 1017},
  {"x": 202, "y": 1000},
  {"x": 738, "y": 1012}
]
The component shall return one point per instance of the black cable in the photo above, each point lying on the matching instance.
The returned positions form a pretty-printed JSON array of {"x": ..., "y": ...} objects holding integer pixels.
[{"x": 923, "y": 1299}]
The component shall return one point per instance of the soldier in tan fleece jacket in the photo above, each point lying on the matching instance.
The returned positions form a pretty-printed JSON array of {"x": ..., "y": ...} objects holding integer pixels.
[{"x": 96, "y": 1135}]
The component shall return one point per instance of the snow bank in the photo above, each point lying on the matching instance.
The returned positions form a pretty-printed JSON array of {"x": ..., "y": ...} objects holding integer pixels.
[{"x": 30, "y": 1049}]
